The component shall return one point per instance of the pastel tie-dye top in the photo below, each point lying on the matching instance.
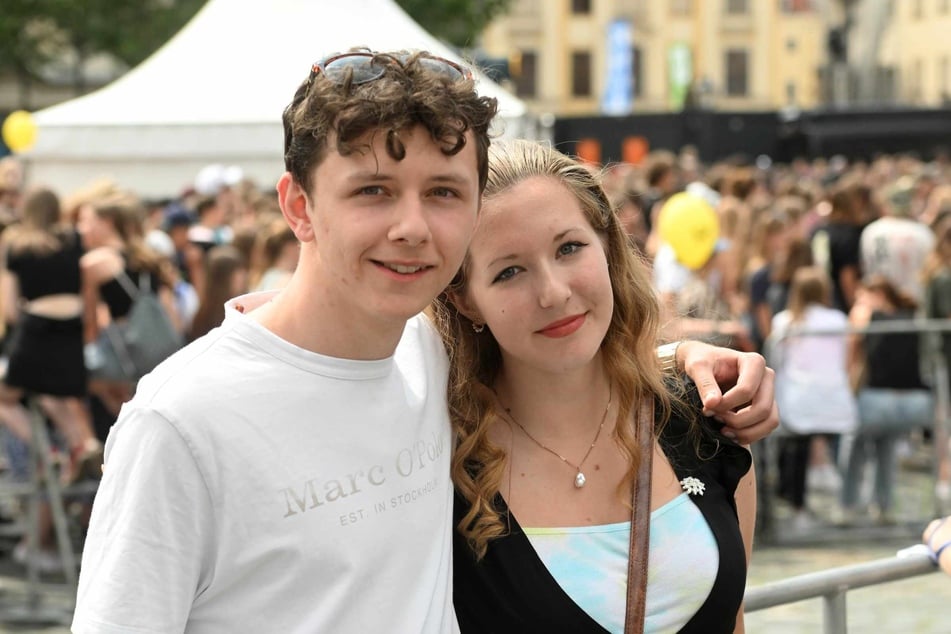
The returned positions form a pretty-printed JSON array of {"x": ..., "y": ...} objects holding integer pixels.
[{"x": 590, "y": 565}]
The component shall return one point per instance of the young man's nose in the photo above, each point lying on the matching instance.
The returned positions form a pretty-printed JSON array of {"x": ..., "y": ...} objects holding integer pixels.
[{"x": 410, "y": 223}]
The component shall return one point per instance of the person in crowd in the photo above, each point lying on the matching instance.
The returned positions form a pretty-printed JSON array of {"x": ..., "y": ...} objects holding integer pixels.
[
  {"x": 812, "y": 380},
  {"x": 11, "y": 191},
  {"x": 692, "y": 300},
  {"x": 227, "y": 277},
  {"x": 275, "y": 255},
  {"x": 897, "y": 245},
  {"x": 551, "y": 326},
  {"x": 306, "y": 443},
  {"x": 892, "y": 398},
  {"x": 111, "y": 230},
  {"x": 629, "y": 203},
  {"x": 936, "y": 277},
  {"x": 937, "y": 537},
  {"x": 770, "y": 237},
  {"x": 835, "y": 246},
  {"x": 40, "y": 286},
  {"x": 44, "y": 308}
]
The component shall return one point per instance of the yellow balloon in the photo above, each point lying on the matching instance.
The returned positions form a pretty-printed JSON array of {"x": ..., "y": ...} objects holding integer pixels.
[
  {"x": 691, "y": 227},
  {"x": 19, "y": 131}
]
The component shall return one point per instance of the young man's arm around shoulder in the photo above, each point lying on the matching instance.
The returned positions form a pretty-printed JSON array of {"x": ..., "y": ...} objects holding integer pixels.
[{"x": 150, "y": 535}]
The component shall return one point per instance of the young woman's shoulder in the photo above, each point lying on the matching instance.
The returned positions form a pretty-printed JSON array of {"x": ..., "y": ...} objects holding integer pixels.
[{"x": 102, "y": 263}]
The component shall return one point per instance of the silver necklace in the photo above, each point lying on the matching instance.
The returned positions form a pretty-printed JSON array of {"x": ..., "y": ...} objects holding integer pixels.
[{"x": 579, "y": 474}]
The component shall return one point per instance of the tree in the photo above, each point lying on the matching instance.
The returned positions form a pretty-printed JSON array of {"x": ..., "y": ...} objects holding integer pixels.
[
  {"x": 458, "y": 22},
  {"x": 36, "y": 33}
]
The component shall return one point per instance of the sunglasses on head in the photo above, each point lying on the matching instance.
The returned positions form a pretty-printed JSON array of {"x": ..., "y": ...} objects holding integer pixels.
[{"x": 363, "y": 67}]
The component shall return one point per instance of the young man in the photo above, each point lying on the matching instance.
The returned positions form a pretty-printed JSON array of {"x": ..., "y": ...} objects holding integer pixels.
[{"x": 289, "y": 472}]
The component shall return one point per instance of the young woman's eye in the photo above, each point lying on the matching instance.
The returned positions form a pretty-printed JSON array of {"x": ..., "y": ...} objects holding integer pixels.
[
  {"x": 570, "y": 247},
  {"x": 371, "y": 190},
  {"x": 505, "y": 274}
]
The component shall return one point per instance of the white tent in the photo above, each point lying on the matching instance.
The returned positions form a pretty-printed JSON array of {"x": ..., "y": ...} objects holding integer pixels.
[{"x": 215, "y": 93}]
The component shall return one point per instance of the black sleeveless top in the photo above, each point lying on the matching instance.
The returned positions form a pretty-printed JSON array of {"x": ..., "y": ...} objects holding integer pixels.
[
  {"x": 54, "y": 273},
  {"x": 114, "y": 295},
  {"x": 511, "y": 590},
  {"x": 892, "y": 359}
]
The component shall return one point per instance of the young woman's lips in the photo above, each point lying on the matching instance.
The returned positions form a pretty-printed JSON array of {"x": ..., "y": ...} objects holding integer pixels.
[{"x": 563, "y": 327}]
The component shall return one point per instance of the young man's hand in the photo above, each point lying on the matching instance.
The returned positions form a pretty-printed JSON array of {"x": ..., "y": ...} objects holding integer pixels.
[{"x": 748, "y": 407}]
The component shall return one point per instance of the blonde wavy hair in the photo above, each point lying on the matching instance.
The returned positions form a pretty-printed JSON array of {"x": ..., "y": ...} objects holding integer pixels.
[{"x": 628, "y": 348}]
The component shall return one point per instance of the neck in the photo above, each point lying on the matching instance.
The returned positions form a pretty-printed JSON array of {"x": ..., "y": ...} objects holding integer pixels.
[
  {"x": 307, "y": 317},
  {"x": 557, "y": 406}
]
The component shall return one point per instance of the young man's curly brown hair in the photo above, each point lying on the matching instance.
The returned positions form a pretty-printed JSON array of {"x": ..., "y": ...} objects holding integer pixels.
[{"x": 407, "y": 93}]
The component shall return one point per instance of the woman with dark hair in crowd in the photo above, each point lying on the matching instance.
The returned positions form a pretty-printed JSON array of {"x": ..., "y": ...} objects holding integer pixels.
[{"x": 227, "y": 275}]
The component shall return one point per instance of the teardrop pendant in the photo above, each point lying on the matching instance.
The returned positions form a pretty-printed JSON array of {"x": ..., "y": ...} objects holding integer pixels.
[{"x": 579, "y": 480}]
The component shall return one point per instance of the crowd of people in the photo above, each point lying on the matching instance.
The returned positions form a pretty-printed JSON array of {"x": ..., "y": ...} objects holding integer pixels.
[
  {"x": 831, "y": 247},
  {"x": 407, "y": 343},
  {"x": 65, "y": 258}
]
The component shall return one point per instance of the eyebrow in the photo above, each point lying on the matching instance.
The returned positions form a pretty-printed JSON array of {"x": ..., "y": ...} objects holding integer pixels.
[
  {"x": 512, "y": 256},
  {"x": 456, "y": 179}
]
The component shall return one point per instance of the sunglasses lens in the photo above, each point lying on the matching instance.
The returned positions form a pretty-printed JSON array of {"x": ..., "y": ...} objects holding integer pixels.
[
  {"x": 362, "y": 68},
  {"x": 443, "y": 67}
]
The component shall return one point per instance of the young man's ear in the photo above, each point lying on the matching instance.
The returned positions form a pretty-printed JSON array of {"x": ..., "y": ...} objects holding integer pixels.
[{"x": 293, "y": 202}]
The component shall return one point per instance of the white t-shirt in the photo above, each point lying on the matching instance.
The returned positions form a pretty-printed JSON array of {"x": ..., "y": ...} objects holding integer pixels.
[
  {"x": 670, "y": 276},
  {"x": 254, "y": 486},
  {"x": 897, "y": 248},
  {"x": 812, "y": 381}
]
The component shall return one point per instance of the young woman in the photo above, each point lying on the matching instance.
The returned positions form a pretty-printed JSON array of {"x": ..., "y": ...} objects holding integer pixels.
[
  {"x": 111, "y": 229},
  {"x": 42, "y": 303},
  {"x": 551, "y": 326},
  {"x": 227, "y": 275},
  {"x": 892, "y": 397},
  {"x": 812, "y": 381}
]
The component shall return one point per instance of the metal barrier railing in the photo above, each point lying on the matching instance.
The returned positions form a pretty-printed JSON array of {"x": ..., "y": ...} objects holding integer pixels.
[
  {"x": 935, "y": 359},
  {"x": 833, "y": 584}
]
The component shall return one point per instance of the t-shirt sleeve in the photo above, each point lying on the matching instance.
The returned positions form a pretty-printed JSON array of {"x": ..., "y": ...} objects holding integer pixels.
[
  {"x": 149, "y": 543},
  {"x": 670, "y": 276}
]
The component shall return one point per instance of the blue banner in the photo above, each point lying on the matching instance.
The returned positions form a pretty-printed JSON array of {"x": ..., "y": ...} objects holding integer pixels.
[{"x": 618, "y": 96}]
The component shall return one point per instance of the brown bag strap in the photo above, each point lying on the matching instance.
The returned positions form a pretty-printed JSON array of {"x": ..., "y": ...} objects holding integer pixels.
[{"x": 640, "y": 524}]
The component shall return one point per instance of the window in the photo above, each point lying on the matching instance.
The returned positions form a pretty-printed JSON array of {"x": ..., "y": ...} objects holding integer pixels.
[
  {"x": 735, "y": 7},
  {"x": 736, "y": 73},
  {"x": 795, "y": 6},
  {"x": 581, "y": 74},
  {"x": 637, "y": 77},
  {"x": 525, "y": 80},
  {"x": 681, "y": 7},
  {"x": 581, "y": 6}
]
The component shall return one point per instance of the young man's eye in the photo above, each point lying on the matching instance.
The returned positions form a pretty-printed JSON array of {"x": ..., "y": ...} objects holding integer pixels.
[
  {"x": 371, "y": 190},
  {"x": 570, "y": 247},
  {"x": 505, "y": 274},
  {"x": 445, "y": 192}
]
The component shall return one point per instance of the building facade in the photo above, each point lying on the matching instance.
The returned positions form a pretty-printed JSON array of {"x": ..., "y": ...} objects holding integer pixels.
[{"x": 582, "y": 57}]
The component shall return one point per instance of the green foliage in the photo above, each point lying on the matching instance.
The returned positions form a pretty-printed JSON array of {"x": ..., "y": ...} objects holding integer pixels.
[
  {"x": 36, "y": 32},
  {"x": 458, "y": 22}
]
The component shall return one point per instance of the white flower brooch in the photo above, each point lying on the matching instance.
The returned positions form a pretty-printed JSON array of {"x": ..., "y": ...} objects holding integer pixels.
[{"x": 692, "y": 485}]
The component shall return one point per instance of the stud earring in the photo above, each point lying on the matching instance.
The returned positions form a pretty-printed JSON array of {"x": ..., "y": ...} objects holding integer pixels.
[{"x": 477, "y": 328}]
